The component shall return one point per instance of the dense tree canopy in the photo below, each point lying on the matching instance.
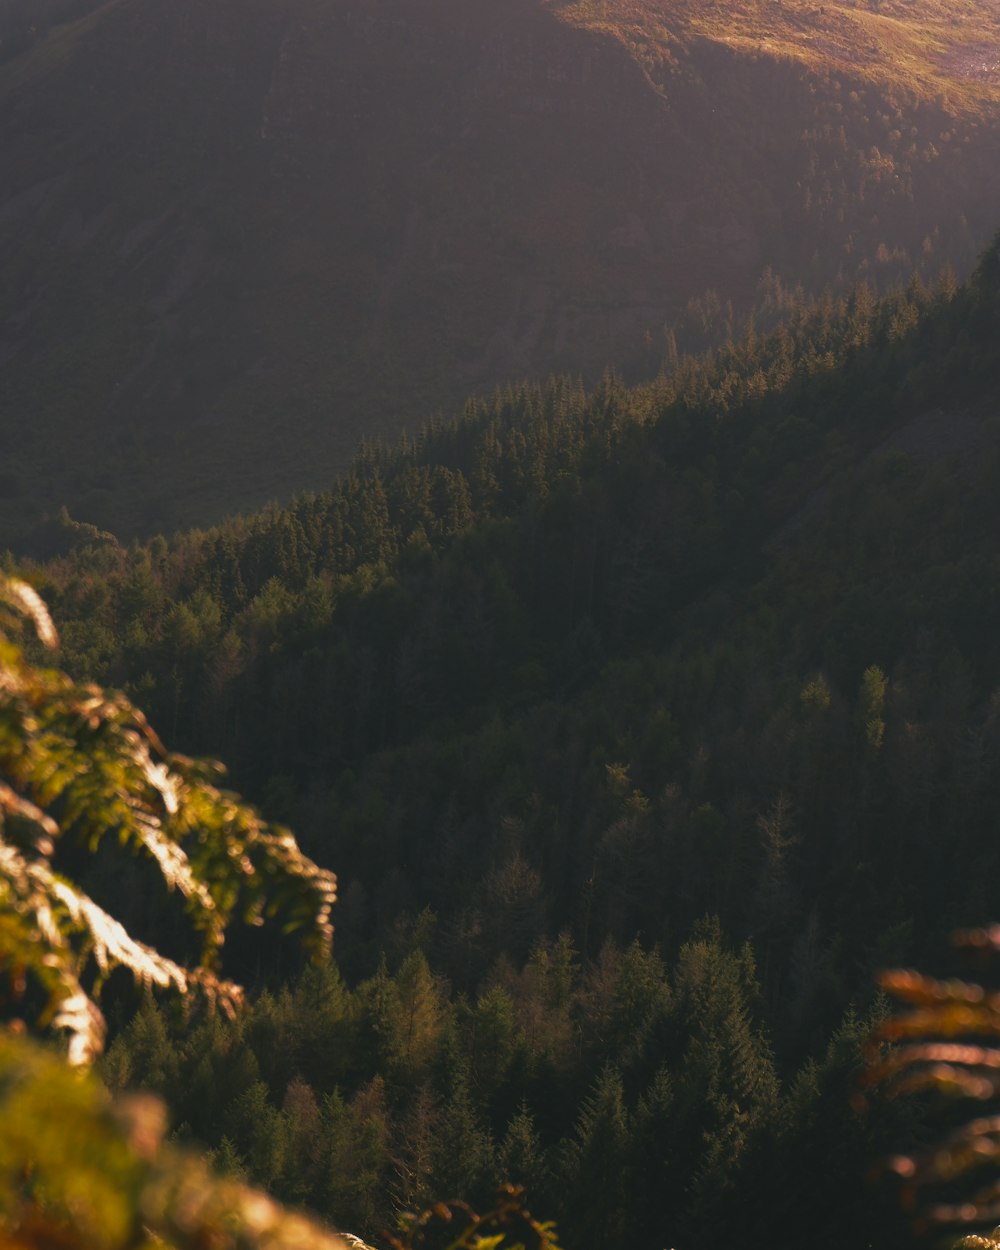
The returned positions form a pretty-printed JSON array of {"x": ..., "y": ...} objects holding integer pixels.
[
  {"x": 642, "y": 725},
  {"x": 78, "y": 763}
]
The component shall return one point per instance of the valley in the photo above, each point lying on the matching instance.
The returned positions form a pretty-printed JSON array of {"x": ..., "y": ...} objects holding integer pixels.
[{"x": 550, "y": 452}]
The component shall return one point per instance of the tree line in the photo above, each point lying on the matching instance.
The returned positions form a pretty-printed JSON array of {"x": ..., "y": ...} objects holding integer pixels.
[{"x": 548, "y": 685}]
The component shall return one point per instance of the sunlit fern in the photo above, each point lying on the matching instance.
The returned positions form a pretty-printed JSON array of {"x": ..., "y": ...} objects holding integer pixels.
[{"x": 82, "y": 763}]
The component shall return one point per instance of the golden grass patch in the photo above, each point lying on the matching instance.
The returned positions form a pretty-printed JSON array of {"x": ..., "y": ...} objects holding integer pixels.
[{"x": 942, "y": 50}]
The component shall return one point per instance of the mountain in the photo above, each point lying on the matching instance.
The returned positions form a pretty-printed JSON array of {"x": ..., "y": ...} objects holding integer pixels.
[
  {"x": 238, "y": 237},
  {"x": 568, "y": 610},
  {"x": 642, "y": 726}
]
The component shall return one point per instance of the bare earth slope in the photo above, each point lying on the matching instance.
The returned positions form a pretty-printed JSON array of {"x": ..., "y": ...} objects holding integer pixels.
[{"x": 236, "y": 235}]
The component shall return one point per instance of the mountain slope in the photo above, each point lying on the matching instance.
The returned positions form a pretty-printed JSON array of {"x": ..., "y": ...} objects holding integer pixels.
[
  {"x": 549, "y": 687},
  {"x": 932, "y": 49},
  {"x": 567, "y": 597},
  {"x": 237, "y": 238}
]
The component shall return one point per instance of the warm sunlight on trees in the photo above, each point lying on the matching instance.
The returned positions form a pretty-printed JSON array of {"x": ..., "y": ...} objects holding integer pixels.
[{"x": 81, "y": 765}]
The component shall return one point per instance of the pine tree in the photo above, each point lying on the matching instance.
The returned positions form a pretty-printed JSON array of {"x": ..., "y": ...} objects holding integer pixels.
[
  {"x": 725, "y": 1083},
  {"x": 419, "y": 1003},
  {"x": 520, "y": 1155},
  {"x": 594, "y": 1166},
  {"x": 658, "y": 1192},
  {"x": 464, "y": 1156}
]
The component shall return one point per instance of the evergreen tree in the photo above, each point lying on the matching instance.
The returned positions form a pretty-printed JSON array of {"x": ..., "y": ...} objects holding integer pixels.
[{"x": 593, "y": 1166}]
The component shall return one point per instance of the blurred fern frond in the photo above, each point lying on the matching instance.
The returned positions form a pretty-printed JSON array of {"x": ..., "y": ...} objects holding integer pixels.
[
  {"x": 102, "y": 1176},
  {"x": 946, "y": 1045},
  {"x": 507, "y": 1225}
]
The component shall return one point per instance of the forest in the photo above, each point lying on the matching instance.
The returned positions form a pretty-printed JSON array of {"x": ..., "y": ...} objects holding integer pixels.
[{"x": 643, "y": 726}]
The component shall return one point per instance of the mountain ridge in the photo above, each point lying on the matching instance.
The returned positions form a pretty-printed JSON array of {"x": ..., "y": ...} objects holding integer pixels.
[{"x": 240, "y": 238}]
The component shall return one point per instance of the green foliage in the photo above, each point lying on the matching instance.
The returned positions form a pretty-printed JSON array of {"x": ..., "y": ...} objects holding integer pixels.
[
  {"x": 91, "y": 758},
  {"x": 630, "y": 686},
  {"x": 815, "y": 694},
  {"x": 79, "y": 1170},
  {"x": 594, "y": 1164},
  {"x": 77, "y": 763},
  {"x": 82, "y": 1173},
  {"x": 508, "y": 1224},
  {"x": 634, "y": 1094},
  {"x": 871, "y": 704}
]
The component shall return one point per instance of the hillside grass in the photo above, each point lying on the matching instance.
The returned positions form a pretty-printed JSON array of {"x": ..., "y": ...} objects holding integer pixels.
[{"x": 944, "y": 51}]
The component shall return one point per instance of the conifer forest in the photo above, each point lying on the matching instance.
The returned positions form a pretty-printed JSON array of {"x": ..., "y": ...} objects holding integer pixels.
[{"x": 550, "y": 455}]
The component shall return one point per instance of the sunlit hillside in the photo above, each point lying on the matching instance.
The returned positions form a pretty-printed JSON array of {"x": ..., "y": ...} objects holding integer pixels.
[{"x": 942, "y": 50}]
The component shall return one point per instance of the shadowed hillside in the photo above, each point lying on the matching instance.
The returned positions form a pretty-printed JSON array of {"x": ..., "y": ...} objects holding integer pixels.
[{"x": 236, "y": 237}]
